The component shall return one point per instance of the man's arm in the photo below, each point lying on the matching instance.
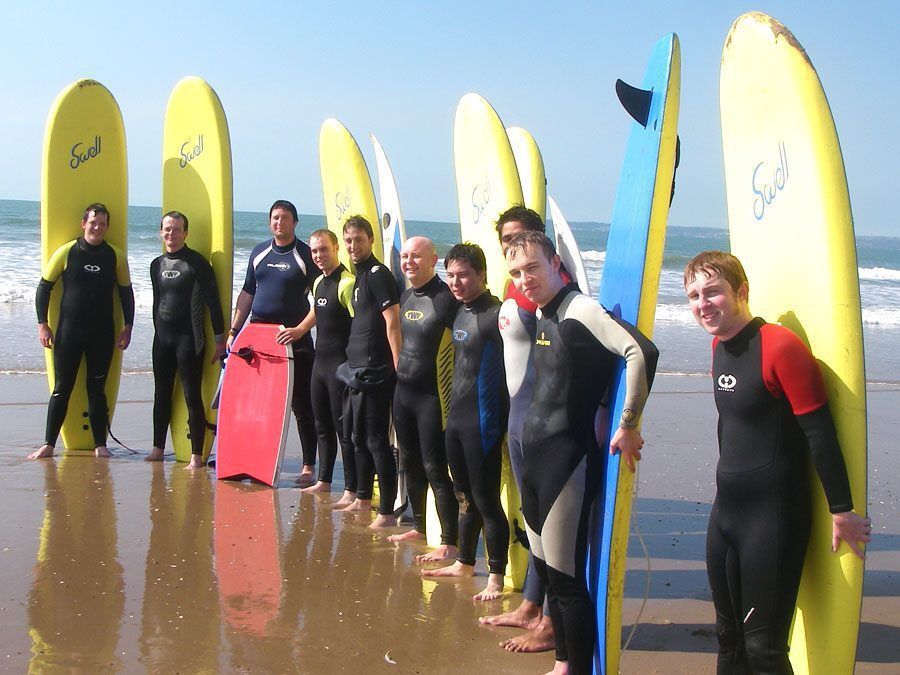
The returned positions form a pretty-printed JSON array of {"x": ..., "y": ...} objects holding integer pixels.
[
  {"x": 241, "y": 312},
  {"x": 293, "y": 334},
  {"x": 392, "y": 328}
]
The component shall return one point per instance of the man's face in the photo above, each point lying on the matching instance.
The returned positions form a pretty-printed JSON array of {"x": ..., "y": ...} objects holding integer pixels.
[
  {"x": 324, "y": 253},
  {"x": 358, "y": 243},
  {"x": 716, "y": 306},
  {"x": 95, "y": 227},
  {"x": 172, "y": 233},
  {"x": 465, "y": 283},
  {"x": 282, "y": 224},
  {"x": 510, "y": 230},
  {"x": 535, "y": 277},
  {"x": 417, "y": 261}
]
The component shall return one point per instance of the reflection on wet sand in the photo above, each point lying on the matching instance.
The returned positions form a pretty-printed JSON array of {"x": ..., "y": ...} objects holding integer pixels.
[{"x": 77, "y": 593}]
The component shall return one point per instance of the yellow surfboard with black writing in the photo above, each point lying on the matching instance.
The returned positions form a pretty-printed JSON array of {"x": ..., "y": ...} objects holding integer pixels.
[{"x": 197, "y": 180}]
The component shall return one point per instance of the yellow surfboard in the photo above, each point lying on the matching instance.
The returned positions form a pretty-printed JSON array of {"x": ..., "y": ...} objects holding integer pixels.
[
  {"x": 197, "y": 181},
  {"x": 346, "y": 185},
  {"x": 791, "y": 226},
  {"x": 487, "y": 183},
  {"x": 531, "y": 170},
  {"x": 84, "y": 161}
]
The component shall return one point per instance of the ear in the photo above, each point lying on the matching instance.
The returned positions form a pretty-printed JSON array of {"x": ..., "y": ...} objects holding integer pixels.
[
  {"x": 744, "y": 292},
  {"x": 555, "y": 262}
]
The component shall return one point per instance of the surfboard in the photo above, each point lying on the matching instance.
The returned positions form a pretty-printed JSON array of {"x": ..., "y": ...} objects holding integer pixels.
[
  {"x": 628, "y": 289},
  {"x": 791, "y": 225},
  {"x": 83, "y": 161},
  {"x": 487, "y": 183},
  {"x": 393, "y": 231},
  {"x": 567, "y": 247},
  {"x": 530, "y": 165},
  {"x": 255, "y": 405},
  {"x": 346, "y": 185},
  {"x": 197, "y": 181}
]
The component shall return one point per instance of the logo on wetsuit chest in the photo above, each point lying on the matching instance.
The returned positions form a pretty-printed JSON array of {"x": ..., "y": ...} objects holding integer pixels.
[
  {"x": 171, "y": 274},
  {"x": 460, "y": 336},
  {"x": 726, "y": 382},
  {"x": 413, "y": 315},
  {"x": 279, "y": 266},
  {"x": 321, "y": 302},
  {"x": 93, "y": 269},
  {"x": 542, "y": 341}
]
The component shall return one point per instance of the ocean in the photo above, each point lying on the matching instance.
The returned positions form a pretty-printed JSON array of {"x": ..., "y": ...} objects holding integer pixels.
[{"x": 684, "y": 346}]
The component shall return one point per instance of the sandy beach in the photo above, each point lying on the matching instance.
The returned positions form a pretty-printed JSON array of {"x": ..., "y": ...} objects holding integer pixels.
[{"x": 124, "y": 566}]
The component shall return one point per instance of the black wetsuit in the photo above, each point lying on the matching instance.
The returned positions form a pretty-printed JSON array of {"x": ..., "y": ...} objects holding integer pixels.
[
  {"x": 421, "y": 401},
  {"x": 183, "y": 282},
  {"x": 371, "y": 383},
  {"x": 773, "y": 414},
  {"x": 85, "y": 327},
  {"x": 332, "y": 295},
  {"x": 479, "y": 406},
  {"x": 577, "y": 347},
  {"x": 279, "y": 278}
]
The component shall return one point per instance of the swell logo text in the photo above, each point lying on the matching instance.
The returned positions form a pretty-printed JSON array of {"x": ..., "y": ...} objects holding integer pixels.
[
  {"x": 768, "y": 182},
  {"x": 81, "y": 154}
]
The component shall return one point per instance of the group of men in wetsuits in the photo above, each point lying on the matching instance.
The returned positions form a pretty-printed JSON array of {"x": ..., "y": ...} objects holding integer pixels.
[{"x": 462, "y": 370}]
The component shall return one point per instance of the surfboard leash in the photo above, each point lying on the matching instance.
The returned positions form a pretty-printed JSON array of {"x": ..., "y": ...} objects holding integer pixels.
[{"x": 637, "y": 531}]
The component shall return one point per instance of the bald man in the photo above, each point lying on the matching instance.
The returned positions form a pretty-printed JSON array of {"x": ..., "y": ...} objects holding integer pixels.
[{"x": 424, "y": 372}]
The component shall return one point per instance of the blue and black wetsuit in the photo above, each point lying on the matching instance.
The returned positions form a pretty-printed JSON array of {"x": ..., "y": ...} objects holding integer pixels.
[
  {"x": 476, "y": 425},
  {"x": 773, "y": 416},
  {"x": 279, "y": 279},
  {"x": 422, "y": 398},
  {"x": 183, "y": 283},
  {"x": 89, "y": 274}
]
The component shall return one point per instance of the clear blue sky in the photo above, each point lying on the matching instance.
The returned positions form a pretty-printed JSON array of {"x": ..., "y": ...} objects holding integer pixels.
[{"x": 399, "y": 68}]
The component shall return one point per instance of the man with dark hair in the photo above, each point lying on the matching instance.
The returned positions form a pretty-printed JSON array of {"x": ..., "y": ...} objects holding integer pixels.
[
  {"x": 183, "y": 282},
  {"x": 476, "y": 423},
  {"x": 90, "y": 268},
  {"x": 280, "y": 274},
  {"x": 576, "y": 353},
  {"x": 373, "y": 350}
]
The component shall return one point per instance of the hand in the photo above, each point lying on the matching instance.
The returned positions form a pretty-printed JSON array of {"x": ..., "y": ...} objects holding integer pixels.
[
  {"x": 289, "y": 335},
  {"x": 228, "y": 342},
  {"x": 629, "y": 443},
  {"x": 852, "y": 528},
  {"x": 219, "y": 352},
  {"x": 124, "y": 338},
  {"x": 45, "y": 335}
]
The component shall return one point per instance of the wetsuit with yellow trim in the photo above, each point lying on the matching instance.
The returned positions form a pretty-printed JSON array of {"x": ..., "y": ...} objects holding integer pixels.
[{"x": 86, "y": 327}]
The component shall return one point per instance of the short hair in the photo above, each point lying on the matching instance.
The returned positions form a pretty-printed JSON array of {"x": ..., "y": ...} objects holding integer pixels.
[
  {"x": 467, "y": 252},
  {"x": 720, "y": 263},
  {"x": 519, "y": 213},
  {"x": 287, "y": 206},
  {"x": 97, "y": 209},
  {"x": 323, "y": 233},
  {"x": 359, "y": 223},
  {"x": 175, "y": 214},
  {"x": 531, "y": 239}
]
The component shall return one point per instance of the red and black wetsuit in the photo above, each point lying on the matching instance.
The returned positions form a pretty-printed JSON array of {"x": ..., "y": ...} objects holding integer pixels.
[{"x": 773, "y": 415}]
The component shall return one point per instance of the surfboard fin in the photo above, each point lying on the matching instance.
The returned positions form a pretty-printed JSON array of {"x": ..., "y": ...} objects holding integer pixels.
[{"x": 635, "y": 101}]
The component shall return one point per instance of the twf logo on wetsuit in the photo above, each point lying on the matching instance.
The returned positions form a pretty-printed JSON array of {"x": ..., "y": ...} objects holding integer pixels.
[{"x": 726, "y": 382}]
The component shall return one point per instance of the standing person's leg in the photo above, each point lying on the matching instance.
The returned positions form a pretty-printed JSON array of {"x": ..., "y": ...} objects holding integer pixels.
[
  {"x": 484, "y": 476},
  {"x": 723, "y": 571},
  {"x": 340, "y": 401},
  {"x": 355, "y": 425},
  {"x": 326, "y": 431},
  {"x": 190, "y": 369},
  {"x": 98, "y": 356},
  {"x": 434, "y": 458},
  {"x": 165, "y": 367},
  {"x": 301, "y": 404},
  {"x": 67, "y": 353},
  {"x": 378, "y": 412},
  {"x": 404, "y": 414}
]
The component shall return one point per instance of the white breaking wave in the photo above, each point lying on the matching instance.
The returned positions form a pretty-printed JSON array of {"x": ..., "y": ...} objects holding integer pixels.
[
  {"x": 878, "y": 274},
  {"x": 871, "y": 316},
  {"x": 593, "y": 256}
]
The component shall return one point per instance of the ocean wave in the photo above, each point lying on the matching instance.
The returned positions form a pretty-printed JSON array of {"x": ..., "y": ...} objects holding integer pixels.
[
  {"x": 878, "y": 274},
  {"x": 880, "y": 316},
  {"x": 593, "y": 256}
]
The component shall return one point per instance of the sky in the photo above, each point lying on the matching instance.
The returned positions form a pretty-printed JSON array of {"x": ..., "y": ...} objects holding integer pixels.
[{"x": 398, "y": 69}]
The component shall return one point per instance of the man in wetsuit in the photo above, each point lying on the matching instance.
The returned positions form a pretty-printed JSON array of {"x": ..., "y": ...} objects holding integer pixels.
[
  {"x": 90, "y": 269},
  {"x": 183, "y": 282},
  {"x": 370, "y": 372},
  {"x": 331, "y": 314},
  {"x": 280, "y": 274},
  {"x": 577, "y": 348},
  {"x": 773, "y": 416},
  {"x": 476, "y": 423},
  {"x": 424, "y": 375}
]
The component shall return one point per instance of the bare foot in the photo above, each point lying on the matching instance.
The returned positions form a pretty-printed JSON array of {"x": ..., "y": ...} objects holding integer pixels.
[
  {"x": 346, "y": 499},
  {"x": 560, "y": 668},
  {"x": 318, "y": 487},
  {"x": 405, "y": 536},
  {"x": 540, "y": 639},
  {"x": 442, "y": 552},
  {"x": 527, "y": 615},
  {"x": 155, "y": 455},
  {"x": 359, "y": 505},
  {"x": 42, "y": 452},
  {"x": 457, "y": 569},
  {"x": 306, "y": 477},
  {"x": 102, "y": 451},
  {"x": 493, "y": 590},
  {"x": 195, "y": 463},
  {"x": 382, "y": 521}
]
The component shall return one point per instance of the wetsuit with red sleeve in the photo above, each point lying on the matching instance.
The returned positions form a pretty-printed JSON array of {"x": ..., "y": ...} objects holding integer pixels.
[{"x": 773, "y": 417}]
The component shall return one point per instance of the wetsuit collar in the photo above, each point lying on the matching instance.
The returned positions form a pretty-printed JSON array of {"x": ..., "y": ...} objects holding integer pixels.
[
  {"x": 367, "y": 264},
  {"x": 336, "y": 272},
  {"x": 479, "y": 301},
  {"x": 739, "y": 339},
  {"x": 283, "y": 249},
  {"x": 91, "y": 248},
  {"x": 550, "y": 308},
  {"x": 180, "y": 253},
  {"x": 429, "y": 285}
]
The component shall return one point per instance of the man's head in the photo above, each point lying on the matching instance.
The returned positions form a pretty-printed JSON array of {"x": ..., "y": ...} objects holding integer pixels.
[
  {"x": 95, "y": 223},
  {"x": 173, "y": 228},
  {"x": 324, "y": 247},
  {"x": 466, "y": 271},
  {"x": 517, "y": 219},
  {"x": 718, "y": 293},
  {"x": 534, "y": 266},
  {"x": 418, "y": 258},
  {"x": 358, "y": 238},
  {"x": 283, "y": 221}
]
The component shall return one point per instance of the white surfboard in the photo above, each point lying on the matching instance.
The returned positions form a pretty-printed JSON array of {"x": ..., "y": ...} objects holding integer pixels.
[{"x": 567, "y": 247}]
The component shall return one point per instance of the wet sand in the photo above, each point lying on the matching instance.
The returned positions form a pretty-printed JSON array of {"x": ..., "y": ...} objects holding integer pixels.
[{"x": 125, "y": 566}]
